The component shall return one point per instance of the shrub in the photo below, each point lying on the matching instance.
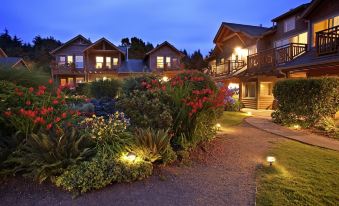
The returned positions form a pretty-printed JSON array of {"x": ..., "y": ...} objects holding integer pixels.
[
  {"x": 44, "y": 155},
  {"x": 8, "y": 144},
  {"x": 29, "y": 110},
  {"x": 196, "y": 105},
  {"x": 138, "y": 83},
  {"x": 155, "y": 144},
  {"x": 101, "y": 171},
  {"x": 105, "y": 88},
  {"x": 328, "y": 125},
  {"x": 104, "y": 106},
  {"x": 83, "y": 89},
  {"x": 110, "y": 131},
  {"x": 24, "y": 77},
  {"x": 305, "y": 101},
  {"x": 146, "y": 109}
]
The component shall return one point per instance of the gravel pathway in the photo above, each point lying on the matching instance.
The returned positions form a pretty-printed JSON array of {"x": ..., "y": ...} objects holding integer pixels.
[{"x": 223, "y": 175}]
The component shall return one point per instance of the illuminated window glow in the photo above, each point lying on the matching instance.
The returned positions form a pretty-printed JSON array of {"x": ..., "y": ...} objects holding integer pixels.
[
  {"x": 115, "y": 61},
  {"x": 62, "y": 60},
  {"x": 69, "y": 59},
  {"x": 108, "y": 62},
  {"x": 168, "y": 61},
  {"x": 160, "y": 62},
  {"x": 99, "y": 62}
]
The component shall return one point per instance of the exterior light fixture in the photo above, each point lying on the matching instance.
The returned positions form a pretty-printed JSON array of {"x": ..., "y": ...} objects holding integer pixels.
[
  {"x": 296, "y": 126},
  {"x": 218, "y": 126},
  {"x": 105, "y": 78},
  {"x": 130, "y": 157},
  {"x": 270, "y": 159},
  {"x": 249, "y": 113},
  {"x": 165, "y": 79}
]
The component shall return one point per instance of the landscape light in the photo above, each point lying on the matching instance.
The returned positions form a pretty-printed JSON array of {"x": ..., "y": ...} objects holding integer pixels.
[
  {"x": 165, "y": 79},
  {"x": 249, "y": 113},
  {"x": 218, "y": 126},
  {"x": 270, "y": 159},
  {"x": 131, "y": 157},
  {"x": 105, "y": 78},
  {"x": 296, "y": 126}
]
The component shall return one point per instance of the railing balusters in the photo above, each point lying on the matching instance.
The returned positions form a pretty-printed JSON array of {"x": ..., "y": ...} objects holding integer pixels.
[{"x": 327, "y": 41}]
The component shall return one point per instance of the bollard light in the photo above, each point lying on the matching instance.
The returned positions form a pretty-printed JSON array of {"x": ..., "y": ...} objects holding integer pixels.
[{"x": 270, "y": 159}]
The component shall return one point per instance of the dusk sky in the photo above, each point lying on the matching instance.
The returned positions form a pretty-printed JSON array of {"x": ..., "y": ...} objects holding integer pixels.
[{"x": 188, "y": 24}]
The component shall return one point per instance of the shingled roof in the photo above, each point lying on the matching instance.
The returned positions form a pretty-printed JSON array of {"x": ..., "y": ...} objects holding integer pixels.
[
  {"x": 11, "y": 61},
  {"x": 133, "y": 66},
  {"x": 291, "y": 12},
  {"x": 249, "y": 30}
]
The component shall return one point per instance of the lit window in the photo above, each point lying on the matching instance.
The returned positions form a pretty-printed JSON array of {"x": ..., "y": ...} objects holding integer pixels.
[
  {"x": 79, "y": 80},
  {"x": 99, "y": 61},
  {"x": 160, "y": 62},
  {"x": 71, "y": 82},
  {"x": 108, "y": 62},
  {"x": 79, "y": 62},
  {"x": 289, "y": 24},
  {"x": 69, "y": 59},
  {"x": 301, "y": 39},
  {"x": 325, "y": 24},
  {"x": 62, "y": 60},
  {"x": 63, "y": 82},
  {"x": 168, "y": 61},
  {"x": 115, "y": 61},
  {"x": 250, "y": 90},
  {"x": 266, "y": 88}
]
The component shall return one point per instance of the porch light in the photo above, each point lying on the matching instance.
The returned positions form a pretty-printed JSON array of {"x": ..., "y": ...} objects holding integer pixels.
[
  {"x": 238, "y": 50},
  {"x": 105, "y": 78},
  {"x": 165, "y": 79},
  {"x": 270, "y": 159}
]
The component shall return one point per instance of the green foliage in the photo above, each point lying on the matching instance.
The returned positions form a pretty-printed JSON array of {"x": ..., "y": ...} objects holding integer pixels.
[
  {"x": 101, "y": 171},
  {"x": 8, "y": 144},
  {"x": 43, "y": 156},
  {"x": 135, "y": 83},
  {"x": 155, "y": 144},
  {"x": 24, "y": 77},
  {"x": 328, "y": 125},
  {"x": 83, "y": 89},
  {"x": 105, "y": 88},
  {"x": 146, "y": 109},
  {"x": 305, "y": 101}
]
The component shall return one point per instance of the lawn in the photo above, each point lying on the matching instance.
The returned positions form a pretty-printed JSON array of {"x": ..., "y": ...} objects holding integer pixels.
[
  {"x": 302, "y": 175},
  {"x": 229, "y": 119}
]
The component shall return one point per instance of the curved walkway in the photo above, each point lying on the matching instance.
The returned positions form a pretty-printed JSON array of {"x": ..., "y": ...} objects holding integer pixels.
[
  {"x": 223, "y": 173},
  {"x": 267, "y": 125}
]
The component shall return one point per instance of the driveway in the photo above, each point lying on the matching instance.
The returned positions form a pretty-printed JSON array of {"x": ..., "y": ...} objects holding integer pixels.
[{"x": 223, "y": 173}]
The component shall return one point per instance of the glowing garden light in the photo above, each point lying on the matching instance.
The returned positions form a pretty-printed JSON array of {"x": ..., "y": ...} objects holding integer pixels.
[
  {"x": 249, "y": 113},
  {"x": 165, "y": 79},
  {"x": 130, "y": 157},
  {"x": 218, "y": 126},
  {"x": 296, "y": 126},
  {"x": 270, "y": 159}
]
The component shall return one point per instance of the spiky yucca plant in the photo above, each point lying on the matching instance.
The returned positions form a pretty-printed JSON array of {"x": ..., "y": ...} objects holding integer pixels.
[
  {"x": 46, "y": 155},
  {"x": 154, "y": 145}
]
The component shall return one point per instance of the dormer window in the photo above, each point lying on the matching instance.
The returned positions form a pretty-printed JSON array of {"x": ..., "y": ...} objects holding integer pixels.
[{"x": 289, "y": 24}]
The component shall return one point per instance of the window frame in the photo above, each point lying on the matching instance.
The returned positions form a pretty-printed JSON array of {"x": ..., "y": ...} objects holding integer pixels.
[
  {"x": 77, "y": 63},
  {"x": 160, "y": 63},
  {"x": 245, "y": 96},
  {"x": 96, "y": 62},
  {"x": 108, "y": 64},
  {"x": 287, "y": 22},
  {"x": 270, "y": 89}
]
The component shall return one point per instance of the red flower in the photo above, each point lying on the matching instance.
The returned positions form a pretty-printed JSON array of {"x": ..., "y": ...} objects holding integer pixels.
[
  {"x": 39, "y": 120},
  {"x": 57, "y": 120},
  {"x": 8, "y": 113},
  {"x": 55, "y": 101},
  {"x": 50, "y": 81},
  {"x": 49, "y": 126},
  {"x": 64, "y": 115},
  {"x": 28, "y": 103},
  {"x": 31, "y": 89}
]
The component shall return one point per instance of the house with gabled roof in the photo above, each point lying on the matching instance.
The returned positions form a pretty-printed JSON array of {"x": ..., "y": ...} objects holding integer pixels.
[
  {"x": 302, "y": 43},
  {"x": 79, "y": 60},
  {"x": 11, "y": 62}
]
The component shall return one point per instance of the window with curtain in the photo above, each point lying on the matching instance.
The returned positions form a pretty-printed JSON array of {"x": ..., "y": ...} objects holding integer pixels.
[
  {"x": 99, "y": 61},
  {"x": 160, "y": 62}
]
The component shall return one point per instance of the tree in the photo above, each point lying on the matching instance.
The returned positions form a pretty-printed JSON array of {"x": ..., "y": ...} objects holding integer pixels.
[
  {"x": 138, "y": 48},
  {"x": 195, "y": 61}
]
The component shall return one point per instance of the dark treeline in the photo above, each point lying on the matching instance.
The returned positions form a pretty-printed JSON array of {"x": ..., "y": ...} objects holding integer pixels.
[{"x": 37, "y": 52}]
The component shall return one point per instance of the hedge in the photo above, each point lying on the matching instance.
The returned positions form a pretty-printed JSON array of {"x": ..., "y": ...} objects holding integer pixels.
[{"x": 305, "y": 101}]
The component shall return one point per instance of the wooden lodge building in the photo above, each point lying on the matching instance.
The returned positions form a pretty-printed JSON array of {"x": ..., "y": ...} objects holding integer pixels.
[
  {"x": 303, "y": 43},
  {"x": 79, "y": 60}
]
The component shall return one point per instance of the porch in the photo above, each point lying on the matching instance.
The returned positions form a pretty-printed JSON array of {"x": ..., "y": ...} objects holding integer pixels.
[{"x": 327, "y": 41}]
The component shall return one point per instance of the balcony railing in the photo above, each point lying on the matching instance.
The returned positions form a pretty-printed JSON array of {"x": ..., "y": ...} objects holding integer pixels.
[
  {"x": 327, "y": 41},
  {"x": 274, "y": 57},
  {"x": 227, "y": 68}
]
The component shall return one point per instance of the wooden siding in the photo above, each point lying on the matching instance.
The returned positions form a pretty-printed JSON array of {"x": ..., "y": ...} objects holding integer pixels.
[
  {"x": 249, "y": 103},
  {"x": 164, "y": 51},
  {"x": 266, "y": 102}
]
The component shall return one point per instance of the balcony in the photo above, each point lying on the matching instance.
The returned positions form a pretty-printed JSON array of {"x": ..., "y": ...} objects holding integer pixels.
[
  {"x": 66, "y": 69},
  {"x": 227, "y": 68},
  {"x": 327, "y": 41},
  {"x": 275, "y": 57}
]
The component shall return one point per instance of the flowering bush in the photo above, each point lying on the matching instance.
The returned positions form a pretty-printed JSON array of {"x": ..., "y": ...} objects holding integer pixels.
[
  {"x": 33, "y": 109},
  {"x": 109, "y": 131},
  {"x": 232, "y": 104}
]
